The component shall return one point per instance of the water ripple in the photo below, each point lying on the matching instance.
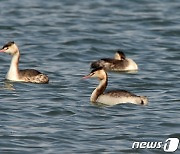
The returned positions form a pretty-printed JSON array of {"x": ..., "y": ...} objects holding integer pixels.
[{"x": 61, "y": 39}]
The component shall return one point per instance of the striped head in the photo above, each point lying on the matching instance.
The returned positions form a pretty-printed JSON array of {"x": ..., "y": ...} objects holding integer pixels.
[
  {"x": 97, "y": 73},
  {"x": 10, "y": 48},
  {"x": 119, "y": 55}
]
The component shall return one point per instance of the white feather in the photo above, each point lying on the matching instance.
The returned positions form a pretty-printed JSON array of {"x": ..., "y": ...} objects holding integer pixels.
[{"x": 109, "y": 100}]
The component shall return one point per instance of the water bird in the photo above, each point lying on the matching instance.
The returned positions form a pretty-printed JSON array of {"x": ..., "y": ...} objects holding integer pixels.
[
  {"x": 14, "y": 74},
  {"x": 119, "y": 63},
  {"x": 111, "y": 97}
]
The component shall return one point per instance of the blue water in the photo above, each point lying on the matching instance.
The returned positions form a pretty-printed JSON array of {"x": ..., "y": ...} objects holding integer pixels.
[{"x": 61, "y": 38}]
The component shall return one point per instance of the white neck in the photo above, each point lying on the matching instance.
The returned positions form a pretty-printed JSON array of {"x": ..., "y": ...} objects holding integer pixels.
[
  {"x": 99, "y": 90},
  {"x": 13, "y": 69}
]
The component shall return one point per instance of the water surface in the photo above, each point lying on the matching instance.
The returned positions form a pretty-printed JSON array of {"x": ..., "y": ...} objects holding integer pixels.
[{"x": 61, "y": 38}]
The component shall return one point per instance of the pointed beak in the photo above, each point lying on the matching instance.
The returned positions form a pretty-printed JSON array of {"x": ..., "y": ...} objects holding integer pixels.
[
  {"x": 87, "y": 76},
  {"x": 2, "y": 50}
]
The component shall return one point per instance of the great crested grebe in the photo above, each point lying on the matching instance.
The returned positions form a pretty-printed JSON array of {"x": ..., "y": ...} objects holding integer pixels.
[
  {"x": 14, "y": 74},
  {"x": 119, "y": 63},
  {"x": 112, "y": 97}
]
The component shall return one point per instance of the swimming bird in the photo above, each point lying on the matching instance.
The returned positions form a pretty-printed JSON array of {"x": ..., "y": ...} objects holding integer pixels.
[
  {"x": 112, "y": 97},
  {"x": 119, "y": 63},
  {"x": 14, "y": 74}
]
